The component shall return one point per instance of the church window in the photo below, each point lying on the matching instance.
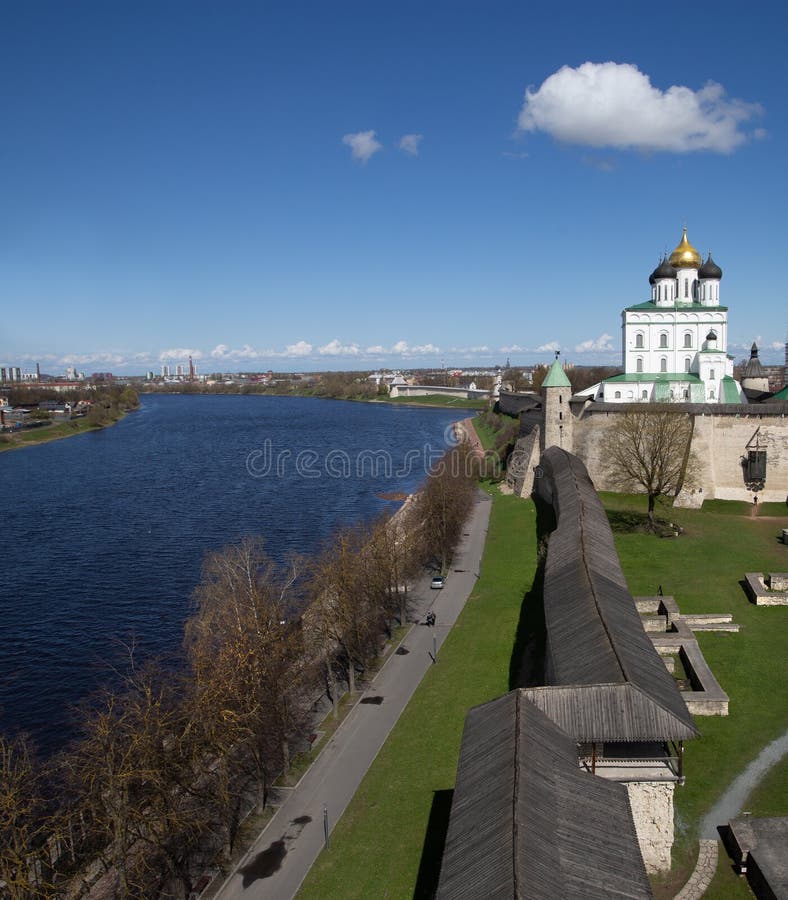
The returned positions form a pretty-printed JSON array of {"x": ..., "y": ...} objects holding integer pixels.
[
  {"x": 687, "y": 339},
  {"x": 617, "y": 395},
  {"x": 686, "y": 288},
  {"x": 686, "y": 363},
  {"x": 663, "y": 364},
  {"x": 644, "y": 395},
  {"x": 663, "y": 340},
  {"x": 711, "y": 395},
  {"x": 639, "y": 340},
  {"x": 711, "y": 374},
  {"x": 686, "y": 394},
  {"x": 639, "y": 364}
]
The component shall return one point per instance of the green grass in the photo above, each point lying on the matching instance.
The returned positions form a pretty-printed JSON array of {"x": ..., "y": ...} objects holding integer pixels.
[
  {"x": 702, "y": 569},
  {"x": 441, "y": 400},
  {"x": 377, "y": 846},
  {"x": 54, "y": 432}
]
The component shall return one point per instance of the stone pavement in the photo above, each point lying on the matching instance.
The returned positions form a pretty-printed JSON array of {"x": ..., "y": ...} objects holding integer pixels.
[
  {"x": 279, "y": 860},
  {"x": 704, "y": 872}
]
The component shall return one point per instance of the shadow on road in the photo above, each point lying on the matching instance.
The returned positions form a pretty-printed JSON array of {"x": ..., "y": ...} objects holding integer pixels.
[{"x": 434, "y": 841}]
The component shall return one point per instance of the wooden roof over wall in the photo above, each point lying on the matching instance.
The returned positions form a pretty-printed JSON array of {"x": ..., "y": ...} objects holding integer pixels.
[
  {"x": 527, "y": 822},
  {"x": 595, "y": 636}
]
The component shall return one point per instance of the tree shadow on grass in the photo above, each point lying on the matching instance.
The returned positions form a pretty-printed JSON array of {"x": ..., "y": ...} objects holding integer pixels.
[
  {"x": 434, "y": 842},
  {"x": 526, "y": 665}
]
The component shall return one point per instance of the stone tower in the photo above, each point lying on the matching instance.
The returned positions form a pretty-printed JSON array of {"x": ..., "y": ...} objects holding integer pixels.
[{"x": 556, "y": 391}]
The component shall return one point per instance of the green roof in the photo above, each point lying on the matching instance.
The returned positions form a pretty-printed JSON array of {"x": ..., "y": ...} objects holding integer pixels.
[
  {"x": 730, "y": 392},
  {"x": 781, "y": 395},
  {"x": 690, "y": 307},
  {"x": 654, "y": 376},
  {"x": 556, "y": 377}
]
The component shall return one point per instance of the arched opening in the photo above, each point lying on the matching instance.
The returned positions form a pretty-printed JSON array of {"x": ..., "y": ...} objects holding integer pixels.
[
  {"x": 687, "y": 339},
  {"x": 639, "y": 364},
  {"x": 639, "y": 341},
  {"x": 686, "y": 363},
  {"x": 644, "y": 395},
  {"x": 663, "y": 341},
  {"x": 617, "y": 395},
  {"x": 663, "y": 364}
]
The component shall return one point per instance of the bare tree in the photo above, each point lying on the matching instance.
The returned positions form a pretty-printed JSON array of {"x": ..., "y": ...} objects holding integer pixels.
[
  {"x": 648, "y": 450},
  {"x": 444, "y": 504},
  {"x": 252, "y": 677},
  {"x": 136, "y": 777},
  {"x": 26, "y": 830}
]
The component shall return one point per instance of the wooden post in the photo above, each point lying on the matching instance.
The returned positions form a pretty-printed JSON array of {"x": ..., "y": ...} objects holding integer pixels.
[
  {"x": 681, "y": 760},
  {"x": 593, "y": 757}
]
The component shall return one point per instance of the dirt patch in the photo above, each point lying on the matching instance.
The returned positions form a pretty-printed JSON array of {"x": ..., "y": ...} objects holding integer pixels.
[{"x": 393, "y": 495}]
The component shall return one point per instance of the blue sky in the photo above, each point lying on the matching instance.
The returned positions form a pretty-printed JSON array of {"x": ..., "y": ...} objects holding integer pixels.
[{"x": 345, "y": 185}]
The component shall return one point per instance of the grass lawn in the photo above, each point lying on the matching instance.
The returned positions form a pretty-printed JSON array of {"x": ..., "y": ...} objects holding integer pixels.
[
  {"x": 441, "y": 400},
  {"x": 376, "y": 848},
  {"x": 702, "y": 569},
  {"x": 54, "y": 432}
]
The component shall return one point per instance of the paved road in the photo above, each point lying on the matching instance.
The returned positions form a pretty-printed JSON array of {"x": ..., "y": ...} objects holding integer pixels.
[{"x": 279, "y": 860}]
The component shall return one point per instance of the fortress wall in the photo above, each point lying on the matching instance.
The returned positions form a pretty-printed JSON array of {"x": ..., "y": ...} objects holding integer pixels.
[{"x": 719, "y": 443}]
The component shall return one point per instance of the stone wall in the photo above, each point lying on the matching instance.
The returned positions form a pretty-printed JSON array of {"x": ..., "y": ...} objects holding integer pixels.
[
  {"x": 652, "y": 810},
  {"x": 719, "y": 442}
]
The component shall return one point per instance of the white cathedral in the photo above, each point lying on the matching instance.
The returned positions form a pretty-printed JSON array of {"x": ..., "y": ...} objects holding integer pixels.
[{"x": 675, "y": 344}]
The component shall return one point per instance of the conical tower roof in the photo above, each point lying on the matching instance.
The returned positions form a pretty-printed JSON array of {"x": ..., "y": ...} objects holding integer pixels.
[{"x": 556, "y": 377}]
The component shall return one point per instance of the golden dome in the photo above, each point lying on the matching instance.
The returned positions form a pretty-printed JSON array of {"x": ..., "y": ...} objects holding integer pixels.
[{"x": 685, "y": 256}]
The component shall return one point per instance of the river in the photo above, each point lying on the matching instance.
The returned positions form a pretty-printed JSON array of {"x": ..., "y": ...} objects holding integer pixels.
[{"x": 103, "y": 534}]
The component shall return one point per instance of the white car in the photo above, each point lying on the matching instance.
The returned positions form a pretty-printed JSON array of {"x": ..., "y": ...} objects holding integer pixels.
[{"x": 438, "y": 581}]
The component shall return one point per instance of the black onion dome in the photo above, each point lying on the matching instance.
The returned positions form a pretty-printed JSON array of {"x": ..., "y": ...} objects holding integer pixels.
[
  {"x": 710, "y": 269},
  {"x": 711, "y": 336},
  {"x": 663, "y": 270}
]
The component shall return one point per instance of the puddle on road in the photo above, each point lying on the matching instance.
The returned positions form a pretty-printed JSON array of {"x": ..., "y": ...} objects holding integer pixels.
[{"x": 376, "y": 700}]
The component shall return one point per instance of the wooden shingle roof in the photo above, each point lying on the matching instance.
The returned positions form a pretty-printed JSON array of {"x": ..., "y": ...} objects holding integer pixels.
[
  {"x": 595, "y": 636},
  {"x": 527, "y": 822}
]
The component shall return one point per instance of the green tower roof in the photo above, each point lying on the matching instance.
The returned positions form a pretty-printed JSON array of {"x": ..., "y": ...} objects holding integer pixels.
[{"x": 556, "y": 377}]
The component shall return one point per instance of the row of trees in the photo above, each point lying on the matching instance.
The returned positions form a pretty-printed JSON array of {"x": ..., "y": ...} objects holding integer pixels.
[{"x": 168, "y": 761}]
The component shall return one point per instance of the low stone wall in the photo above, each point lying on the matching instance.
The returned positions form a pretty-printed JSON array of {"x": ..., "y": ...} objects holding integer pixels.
[
  {"x": 762, "y": 594},
  {"x": 652, "y": 811},
  {"x": 707, "y": 698}
]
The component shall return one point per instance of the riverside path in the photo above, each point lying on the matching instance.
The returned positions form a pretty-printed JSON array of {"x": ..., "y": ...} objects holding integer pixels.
[{"x": 280, "y": 858}]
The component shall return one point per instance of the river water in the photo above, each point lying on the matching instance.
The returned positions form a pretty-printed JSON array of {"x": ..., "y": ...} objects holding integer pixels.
[{"x": 103, "y": 534}]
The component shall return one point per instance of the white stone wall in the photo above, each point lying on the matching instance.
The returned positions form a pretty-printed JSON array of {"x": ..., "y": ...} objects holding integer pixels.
[
  {"x": 718, "y": 442},
  {"x": 674, "y": 322},
  {"x": 652, "y": 810}
]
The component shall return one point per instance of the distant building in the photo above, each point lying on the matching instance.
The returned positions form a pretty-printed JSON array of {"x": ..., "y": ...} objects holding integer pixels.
[{"x": 675, "y": 344}]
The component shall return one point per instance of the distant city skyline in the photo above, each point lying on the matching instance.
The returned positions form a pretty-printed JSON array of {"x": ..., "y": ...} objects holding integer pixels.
[{"x": 305, "y": 187}]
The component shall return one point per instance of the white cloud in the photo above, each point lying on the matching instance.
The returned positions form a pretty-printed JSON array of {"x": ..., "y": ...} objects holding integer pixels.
[
  {"x": 776, "y": 345},
  {"x": 514, "y": 348},
  {"x": 409, "y": 143},
  {"x": 615, "y": 105},
  {"x": 602, "y": 343},
  {"x": 550, "y": 346},
  {"x": 179, "y": 353},
  {"x": 363, "y": 145},
  {"x": 376, "y": 350},
  {"x": 83, "y": 359},
  {"x": 300, "y": 348},
  {"x": 403, "y": 348},
  {"x": 337, "y": 348}
]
